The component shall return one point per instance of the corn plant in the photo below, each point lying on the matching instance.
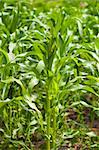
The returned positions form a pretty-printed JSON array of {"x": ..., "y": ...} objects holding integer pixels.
[{"x": 49, "y": 61}]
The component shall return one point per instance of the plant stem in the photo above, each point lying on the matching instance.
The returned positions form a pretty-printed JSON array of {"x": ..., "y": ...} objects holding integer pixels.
[
  {"x": 54, "y": 129},
  {"x": 48, "y": 123}
]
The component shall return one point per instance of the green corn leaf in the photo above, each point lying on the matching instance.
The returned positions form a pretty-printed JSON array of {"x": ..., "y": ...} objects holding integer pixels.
[
  {"x": 80, "y": 27},
  {"x": 4, "y": 102},
  {"x": 91, "y": 134},
  {"x": 97, "y": 43},
  {"x": 5, "y": 55},
  {"x": 11, "y": 79}
]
